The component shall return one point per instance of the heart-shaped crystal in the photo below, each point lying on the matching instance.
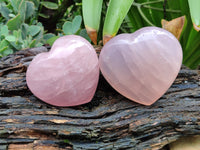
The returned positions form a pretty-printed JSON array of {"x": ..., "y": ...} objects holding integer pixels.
[
  {"x": 67, "y": 75},
  {"x": 143, "y": 65}
]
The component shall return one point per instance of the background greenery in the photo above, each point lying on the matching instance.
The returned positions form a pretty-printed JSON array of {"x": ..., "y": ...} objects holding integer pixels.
[{"x": 32, "y": 23}]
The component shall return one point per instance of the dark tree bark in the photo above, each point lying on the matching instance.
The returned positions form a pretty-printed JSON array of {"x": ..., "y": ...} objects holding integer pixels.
[{"x": 109, "y": 121}]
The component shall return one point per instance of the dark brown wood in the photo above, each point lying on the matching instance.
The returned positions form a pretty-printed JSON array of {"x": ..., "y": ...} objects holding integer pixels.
[{"x": 109, "y": 121}]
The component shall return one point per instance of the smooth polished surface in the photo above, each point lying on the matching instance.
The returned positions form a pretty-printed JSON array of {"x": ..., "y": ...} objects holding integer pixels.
[
  {"x": 67, "y": 75},
  {"x": 143, "y": 65}
]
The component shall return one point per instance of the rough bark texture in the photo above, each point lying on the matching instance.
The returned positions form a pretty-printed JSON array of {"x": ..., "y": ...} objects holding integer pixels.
[{"x": 109, "y": 121}]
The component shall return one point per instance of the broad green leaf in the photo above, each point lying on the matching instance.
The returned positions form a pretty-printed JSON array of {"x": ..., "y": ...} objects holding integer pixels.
[
  {"x": 33, "y": 43},
  {"x": 48, "y": 36},
  {"x": 147, "y": 13},
  {"x": 4, "y": 43},
  {"x": 3, "y": 49},
  {"x": 52, "y": 40},
  {"x": 195, "y": 13},
  {"x": 183, "y": 6},
  {"x": 33, "y": 30},
  {"x": 175, "y": 5},
  {"x": 14, "y": 23},
  {"x": 92, "y": 16},
  {"x": 192, "y": 49},
  {"x": 17, "y": 45},
  {"x": 22, "y": 10},
  {"x": 134, "y": 19},
  {"x": 76, "y": 23},
  {"x": 36, "y": 3},
  {"x": 84, "y": 34},
  {"x": 15, "y": 4},
  {"x": 18, "y": 35},
  {"x": 4, "y": 11},
  {"x": 39, "y": 35},
  {"x": 39, "y": 44},
  {"x": 30, "y": 9},
  {"x": 49, "y": 5},
  {"x": 4, "y": 30},
  {"x": 7, "y": 52},
  {"x": 194, "y": 60},
  {"x": 10, "y": 38},
  {"x": 92, "y": 13},
  {"x": 156, "y": 15},
  {"x": 117, "y": 10},
  {"x": 24, "y": 29},
  {"x": 67, "y": 28}
]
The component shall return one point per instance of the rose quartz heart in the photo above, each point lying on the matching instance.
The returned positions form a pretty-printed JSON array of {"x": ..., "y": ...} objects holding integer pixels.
[
  {"x": 67, "y": 75},
  {"x": 143, "y": 65}
]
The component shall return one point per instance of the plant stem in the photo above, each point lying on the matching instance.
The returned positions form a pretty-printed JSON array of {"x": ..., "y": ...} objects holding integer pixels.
[
  {"x": 143, "y": 16},
  {"x": 152, "y": 2},
  {"x": 145, "y": 5},
  {"x": 160, "y": 9}
]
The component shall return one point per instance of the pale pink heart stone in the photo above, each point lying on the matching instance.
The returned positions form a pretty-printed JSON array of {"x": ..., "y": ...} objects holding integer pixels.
[
  {"x": 67, "y": 75},
  {"x": 143, "y": 65}
]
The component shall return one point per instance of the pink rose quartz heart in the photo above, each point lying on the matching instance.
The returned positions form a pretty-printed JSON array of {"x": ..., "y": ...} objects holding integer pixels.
[
  {"x": 143, "y": 65},
  {"x": 67, "y": 75}
]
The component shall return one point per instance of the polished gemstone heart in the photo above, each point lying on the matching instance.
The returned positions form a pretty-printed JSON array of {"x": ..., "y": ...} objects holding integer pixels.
[
  {"x": 67, "y": 75},
  {"x": 143, "y": 65}
]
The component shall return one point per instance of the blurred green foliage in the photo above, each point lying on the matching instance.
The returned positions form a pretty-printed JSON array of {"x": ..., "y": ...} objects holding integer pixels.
[
  {"x": 69, "y": 28},
  {"x": 19, "y": 28}
]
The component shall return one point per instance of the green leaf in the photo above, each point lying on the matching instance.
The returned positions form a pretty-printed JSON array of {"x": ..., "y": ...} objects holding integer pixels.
[
  {"x": 30, "y": 9},
  {"x": 49, "y": 5},
  {"x": 36, "y": 3},
  {"x": 67, "y": 28},
  {"x": 33, "y": 30},
  {"x": 3, "y": 49},
  {"x": 10, "y": 38},
  {"x": 12, "y": 15},
  {"x": 14, "y": 23},
  {"x": 15, "y": 4},
  {"x": 24, "y": 29},
  {"x": 17, "y": 46},
  {"x": 92, "y": 13},
  {"x": 44, "y": 15},
  {"x": 52, "y": 40},
  {"x": 4, "y": 11},
  {"x": 48, "y": 36},
  {"x": 76, "y": 23},
  {"x": 39, "y": 35},
  {"x": 7, "y": 51},
  {"x": 39, "y": 44},
  {"x": 117, "y": 10},
  {"x": 33, "y": 43},
  {"x": 4, "y": 43},
  {"x": 92, "y": 16},
  {"x": 4, "y": 30},
  {"x": 22, "y": 10},
  {"x": 134, "y": 19},
  {"x": 156, "y": 15},
  {"x": 194, "y": 60},
  {"x": 195, "y": 13},
  {"x": 18, "y": 35},
  {"x": 84, "y": 34}
]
